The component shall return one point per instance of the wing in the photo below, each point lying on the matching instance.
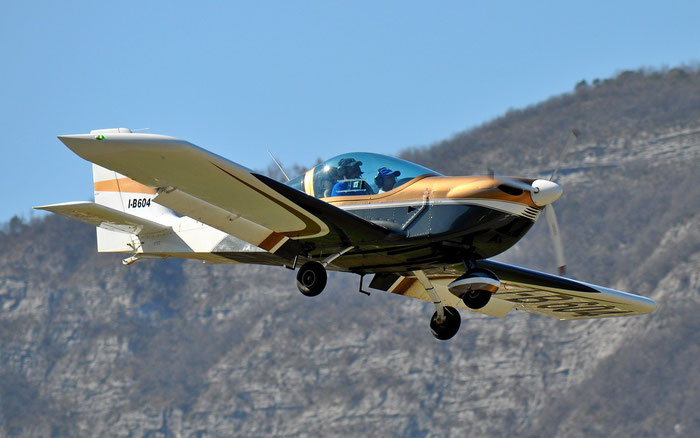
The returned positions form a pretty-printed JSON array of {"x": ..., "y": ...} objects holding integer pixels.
[
  {"x": 531, "y": 291},
  {"x": 563, "y": 298},
  {"x": 225, "y": 195}
]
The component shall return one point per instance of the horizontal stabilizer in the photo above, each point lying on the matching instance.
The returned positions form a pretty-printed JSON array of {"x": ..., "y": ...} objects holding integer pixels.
[{"x": 105, "y": 217}]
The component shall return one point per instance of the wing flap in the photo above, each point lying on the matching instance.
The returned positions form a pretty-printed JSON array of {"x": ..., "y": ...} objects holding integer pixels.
[{"x": 105, "y": 217}]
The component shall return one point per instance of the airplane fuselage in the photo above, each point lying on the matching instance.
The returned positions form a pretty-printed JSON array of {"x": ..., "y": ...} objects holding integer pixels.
[{"x": 435, "y": 220}]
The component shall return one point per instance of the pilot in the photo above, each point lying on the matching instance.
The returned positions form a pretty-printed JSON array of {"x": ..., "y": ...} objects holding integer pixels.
[
  {"x": 386, "y": 179},
  {"x": 352, "y": 184}
]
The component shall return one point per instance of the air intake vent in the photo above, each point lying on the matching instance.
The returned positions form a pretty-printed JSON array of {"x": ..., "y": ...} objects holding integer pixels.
[
  {"x": 513, "y": 191},
  {"x": 531, "y": 213}
]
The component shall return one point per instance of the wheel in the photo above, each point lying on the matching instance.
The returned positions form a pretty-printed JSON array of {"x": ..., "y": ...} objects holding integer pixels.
[
  {"x": 449, "y": 326},
  {"x": 476, "y": 299},
  {"x": 311, "y": 278}
]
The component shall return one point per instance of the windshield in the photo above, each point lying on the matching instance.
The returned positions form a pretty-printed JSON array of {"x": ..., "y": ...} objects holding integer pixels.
[{"x": 358, "y": 173}]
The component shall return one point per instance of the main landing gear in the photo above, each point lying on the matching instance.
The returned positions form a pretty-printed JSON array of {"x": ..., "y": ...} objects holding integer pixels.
[
  {"x": 446, "y": 320},
  {"x": 474, "y": 288},
  {"x": 312, "y": 277}
]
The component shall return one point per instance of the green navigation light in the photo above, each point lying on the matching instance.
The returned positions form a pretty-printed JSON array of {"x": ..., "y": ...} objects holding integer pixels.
[{"x": 100, "y": 137}]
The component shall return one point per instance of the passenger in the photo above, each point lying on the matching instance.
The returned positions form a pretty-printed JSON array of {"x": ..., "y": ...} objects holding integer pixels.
[
  {"x": 352, "y": 183},
  {"x": 386, "y": 179}
]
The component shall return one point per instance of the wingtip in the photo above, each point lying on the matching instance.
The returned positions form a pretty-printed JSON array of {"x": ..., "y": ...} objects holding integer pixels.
[
  {"x": 66, "y": 138},
  {"x": 650, "y": 305}
]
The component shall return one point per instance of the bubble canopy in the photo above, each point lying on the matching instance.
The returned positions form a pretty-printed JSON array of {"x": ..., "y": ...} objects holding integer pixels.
[{"x": 356, "y": 174}]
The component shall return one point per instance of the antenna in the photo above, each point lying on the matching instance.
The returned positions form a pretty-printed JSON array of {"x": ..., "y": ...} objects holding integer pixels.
[
  {"x": 278, "y": 165},
  {"x": 140, "y": 129}
]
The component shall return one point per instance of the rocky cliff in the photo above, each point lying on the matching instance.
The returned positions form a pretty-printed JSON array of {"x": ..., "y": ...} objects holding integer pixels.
[{"x": 89, "y": 347}]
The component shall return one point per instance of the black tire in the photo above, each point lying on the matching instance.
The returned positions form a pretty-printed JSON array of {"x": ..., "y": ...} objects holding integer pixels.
[
  {"x": 476, "y": 299},
  {"x": 449, "y": 327},
  {"x": 311, "y": 279}
]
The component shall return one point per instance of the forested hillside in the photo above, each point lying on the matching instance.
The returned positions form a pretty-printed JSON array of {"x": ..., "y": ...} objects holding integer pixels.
[{"x": 89, "y": 347}]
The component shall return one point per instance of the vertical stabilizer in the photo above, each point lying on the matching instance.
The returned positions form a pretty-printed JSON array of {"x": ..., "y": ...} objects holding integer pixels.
[
  {"x": 122, "y": 193},
  {"x": 119, "y": 192}
]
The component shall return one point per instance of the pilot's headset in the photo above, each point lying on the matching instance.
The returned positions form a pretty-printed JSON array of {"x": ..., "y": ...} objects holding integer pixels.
[{"x": 346, "y": 164}]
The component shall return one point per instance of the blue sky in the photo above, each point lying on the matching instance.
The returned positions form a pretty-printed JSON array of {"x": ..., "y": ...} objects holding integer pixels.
[{"x": 304, "y": 79}]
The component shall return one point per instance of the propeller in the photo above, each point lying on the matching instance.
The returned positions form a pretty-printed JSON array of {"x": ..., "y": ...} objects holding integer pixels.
[
  {"x": 543, "y": 194},
  {"x": 549, "y": 213},
  {"x": 553, "y": 226}
]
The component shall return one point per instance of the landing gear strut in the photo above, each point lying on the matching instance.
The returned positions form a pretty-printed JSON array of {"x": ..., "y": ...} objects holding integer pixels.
[{"x": 446, "y": 320}]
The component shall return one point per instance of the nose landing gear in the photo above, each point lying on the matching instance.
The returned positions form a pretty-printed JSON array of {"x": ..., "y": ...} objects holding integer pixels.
[{"x": 476, "y": 299}]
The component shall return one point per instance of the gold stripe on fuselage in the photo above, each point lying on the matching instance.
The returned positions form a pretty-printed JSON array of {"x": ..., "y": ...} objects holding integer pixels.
[{"x": 438, "y": 188}]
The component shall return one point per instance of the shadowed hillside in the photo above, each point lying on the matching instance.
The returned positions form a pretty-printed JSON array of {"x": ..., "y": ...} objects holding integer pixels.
[{"x": 89, "y": 347}]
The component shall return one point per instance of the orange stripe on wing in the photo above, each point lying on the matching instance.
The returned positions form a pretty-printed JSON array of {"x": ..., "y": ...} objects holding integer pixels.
[
  {"x": 124, "y": 185},
  {"x": 271, "y": 240}
]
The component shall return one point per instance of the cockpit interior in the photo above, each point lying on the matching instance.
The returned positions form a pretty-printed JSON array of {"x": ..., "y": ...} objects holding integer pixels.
[{"x": 358, "y": 174}]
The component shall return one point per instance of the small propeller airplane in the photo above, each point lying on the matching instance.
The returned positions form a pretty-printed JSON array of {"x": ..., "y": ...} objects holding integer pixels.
[{"x": 420, "y": 234}]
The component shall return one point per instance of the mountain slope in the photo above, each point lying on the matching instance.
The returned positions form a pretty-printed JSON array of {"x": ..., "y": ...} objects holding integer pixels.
[{"x": 89, "y": 347}]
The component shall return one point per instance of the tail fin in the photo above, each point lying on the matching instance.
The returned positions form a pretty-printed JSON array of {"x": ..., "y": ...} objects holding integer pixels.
[
  {"x": 123, "y": 194},
  {"x": 123, "y": 211},
  {"x": 118, "y": 192}
]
